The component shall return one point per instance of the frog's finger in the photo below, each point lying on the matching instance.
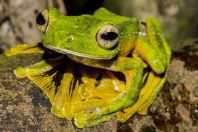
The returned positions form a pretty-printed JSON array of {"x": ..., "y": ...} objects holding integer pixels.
[
  {"x": 24, "y": 49},
  {"x": 147, "y": 95}
]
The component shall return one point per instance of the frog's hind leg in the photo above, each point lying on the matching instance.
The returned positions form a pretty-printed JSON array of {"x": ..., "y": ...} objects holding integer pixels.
[
  {"x": 25, "y": 49},
  {"x": 148, "y": 93},
  {"x": 153, "y": 48}
]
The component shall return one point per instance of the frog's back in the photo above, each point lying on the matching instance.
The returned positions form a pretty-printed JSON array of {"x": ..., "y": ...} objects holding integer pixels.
[{"x": 105, "y": 15}]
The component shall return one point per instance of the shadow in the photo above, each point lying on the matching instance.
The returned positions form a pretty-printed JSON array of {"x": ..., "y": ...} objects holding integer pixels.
[
  {"x": 62, "y": 64},
  {"x": 76, "y": 7},
  {"x": 1, "y": 51}
]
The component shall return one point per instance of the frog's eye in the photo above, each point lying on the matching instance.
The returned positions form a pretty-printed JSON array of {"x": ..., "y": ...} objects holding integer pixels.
[
  {"x": 42, "y": 20},
  {"x": 107, "y": 36}
]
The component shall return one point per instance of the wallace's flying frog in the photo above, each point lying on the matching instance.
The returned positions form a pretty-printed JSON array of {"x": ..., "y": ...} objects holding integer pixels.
[{"x": 105, "y": 66}]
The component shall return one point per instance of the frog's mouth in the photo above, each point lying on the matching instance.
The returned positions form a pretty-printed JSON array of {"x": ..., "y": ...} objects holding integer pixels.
[{"x": 76, "y": 55}]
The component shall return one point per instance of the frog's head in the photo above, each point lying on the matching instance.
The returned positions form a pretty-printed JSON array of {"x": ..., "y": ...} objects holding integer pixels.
[{"x": 94, "y": 37}]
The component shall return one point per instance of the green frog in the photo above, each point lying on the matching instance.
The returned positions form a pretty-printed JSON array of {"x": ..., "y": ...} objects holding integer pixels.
[{"x": 106, "y": 65}]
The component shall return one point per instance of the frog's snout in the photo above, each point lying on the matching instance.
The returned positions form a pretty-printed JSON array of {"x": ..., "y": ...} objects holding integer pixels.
[{"x": 42, "y": 20}]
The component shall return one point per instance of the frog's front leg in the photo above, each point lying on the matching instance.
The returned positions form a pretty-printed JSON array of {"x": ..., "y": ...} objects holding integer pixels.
[
  {"x": 25, "y": 49},
  {"x": 42, "y": 74},
  {"x": 132, "y": 68}
]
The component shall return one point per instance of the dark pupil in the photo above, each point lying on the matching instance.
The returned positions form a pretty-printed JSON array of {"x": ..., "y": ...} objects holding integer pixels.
[
  {"x": 109, "y": 36},
  {"x": 40, "y": 19}
]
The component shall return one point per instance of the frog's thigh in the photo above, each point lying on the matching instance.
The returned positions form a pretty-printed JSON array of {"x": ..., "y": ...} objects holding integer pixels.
[
  {"x": 132, "y": 69},
  {"x": 157, "y": 39},
  {"x": 147, "y": 95},
  {"x": 153, "y": 47},
  {"x": 24, "y": 49}
]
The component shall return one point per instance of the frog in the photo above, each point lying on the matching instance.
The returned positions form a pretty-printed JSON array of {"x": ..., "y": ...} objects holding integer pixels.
[{"x": 106, "y": 65}]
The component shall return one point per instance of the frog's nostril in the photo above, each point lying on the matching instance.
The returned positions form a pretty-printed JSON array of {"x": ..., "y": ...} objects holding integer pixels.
[{"x": 40, "y": 20}]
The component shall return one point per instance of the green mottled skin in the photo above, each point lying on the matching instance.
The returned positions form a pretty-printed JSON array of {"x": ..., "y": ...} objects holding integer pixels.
[{"x": 77, "y": 33}]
